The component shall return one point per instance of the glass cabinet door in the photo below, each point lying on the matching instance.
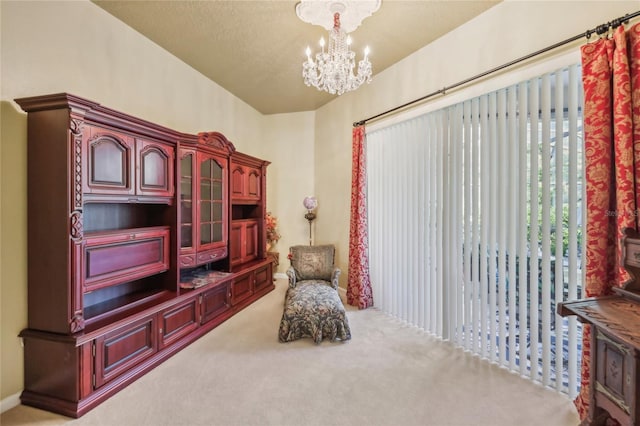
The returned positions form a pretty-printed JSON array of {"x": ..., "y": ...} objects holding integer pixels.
[
  {"x": 211, "y": 220},
  {"x": 186, "y": 200}
]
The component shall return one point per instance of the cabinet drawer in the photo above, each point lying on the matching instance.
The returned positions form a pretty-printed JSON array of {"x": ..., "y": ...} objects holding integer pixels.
[
  {"x": 178, "y": 322},
  {"x": 187, "y": 260},
  {"x": 119, "y": 350},
  {"x": 112, "y": 258},
  {"x": 212, "y": 255}
]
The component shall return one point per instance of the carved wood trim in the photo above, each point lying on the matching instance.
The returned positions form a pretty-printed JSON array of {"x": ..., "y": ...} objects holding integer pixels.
[
  {"x": 77, "y": 323},
  {"x": 76, "y": 227},
  {"x": 76, "y": 314},
  {"x": 217, "y": 141},
  {"x": 76, "y": 128}
]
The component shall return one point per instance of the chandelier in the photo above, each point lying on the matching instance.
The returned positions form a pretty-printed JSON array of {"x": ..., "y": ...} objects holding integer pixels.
[{"x": 333, "y": 68}]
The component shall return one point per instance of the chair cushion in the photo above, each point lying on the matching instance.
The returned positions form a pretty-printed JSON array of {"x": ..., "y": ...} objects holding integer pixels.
[
  {"x": 314, "y": 309},
  {"x": 312, "y": 262}
]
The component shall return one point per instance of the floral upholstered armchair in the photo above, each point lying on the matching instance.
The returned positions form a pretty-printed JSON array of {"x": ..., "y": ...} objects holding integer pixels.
[
  {"x": 313, "y": 307},
  {"x": 313, "y": 263}
]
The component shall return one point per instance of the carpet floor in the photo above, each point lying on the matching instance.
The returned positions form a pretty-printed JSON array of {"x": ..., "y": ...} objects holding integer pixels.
[{"x": 387, "y": 374}]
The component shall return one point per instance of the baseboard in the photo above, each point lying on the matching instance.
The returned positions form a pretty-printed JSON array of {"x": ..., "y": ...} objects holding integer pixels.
[{"x": 9, "y": 402}]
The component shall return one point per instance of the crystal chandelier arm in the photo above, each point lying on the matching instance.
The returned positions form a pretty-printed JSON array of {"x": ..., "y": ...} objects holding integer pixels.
[{"x": 333, "y": 70}]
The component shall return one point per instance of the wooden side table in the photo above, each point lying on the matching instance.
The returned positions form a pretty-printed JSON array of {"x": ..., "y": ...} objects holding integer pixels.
[{"x": 615, "y": 356}]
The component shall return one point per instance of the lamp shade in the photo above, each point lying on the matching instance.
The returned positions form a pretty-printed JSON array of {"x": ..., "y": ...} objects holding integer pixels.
[{"x": 310, "y": 203}]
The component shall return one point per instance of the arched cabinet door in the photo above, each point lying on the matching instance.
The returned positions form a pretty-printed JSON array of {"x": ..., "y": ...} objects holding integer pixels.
[
  {"x": 154, "y": 169},
  {"x": 238, "y": 182},
  {"x": 253, "y": 184},
  {"x": 246, "y": 183},
  {"x": 118, "y": 165},
  {"x": 108, "y": 159}
]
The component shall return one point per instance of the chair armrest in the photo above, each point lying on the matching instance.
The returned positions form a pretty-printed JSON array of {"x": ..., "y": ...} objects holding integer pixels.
[
  {"x": 291, "y": 273},
  {"x": 335, "y": 275}
]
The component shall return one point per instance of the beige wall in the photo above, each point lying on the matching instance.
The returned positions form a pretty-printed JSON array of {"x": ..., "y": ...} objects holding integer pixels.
[
  {"x": 76, "y": 47},
  {"x": 290, "y": 176},
  {"x": 13, "y": 247},
  {"x": 505, "y": 32}
]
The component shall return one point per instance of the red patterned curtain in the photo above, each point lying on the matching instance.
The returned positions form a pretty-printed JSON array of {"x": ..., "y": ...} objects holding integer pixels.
[
  {"x": 611, "y": 79},
  {"x": 359, "y": 284}
]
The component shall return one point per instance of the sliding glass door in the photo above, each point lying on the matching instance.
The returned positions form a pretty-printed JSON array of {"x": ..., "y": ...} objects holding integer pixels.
[{"x": 476, "y": 224}]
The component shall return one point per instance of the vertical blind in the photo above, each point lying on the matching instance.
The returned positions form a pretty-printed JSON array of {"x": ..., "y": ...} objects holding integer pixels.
[{"x": 475, "y": 224}]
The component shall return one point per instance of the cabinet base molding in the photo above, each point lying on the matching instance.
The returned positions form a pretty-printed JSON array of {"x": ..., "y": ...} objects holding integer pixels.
[{"x": 60, "y": 370}]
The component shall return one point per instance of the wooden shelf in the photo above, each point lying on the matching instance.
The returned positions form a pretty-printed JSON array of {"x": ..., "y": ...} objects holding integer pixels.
[
  {"x": 121, "y": 307},
  {"x": 201, "y": 277}
]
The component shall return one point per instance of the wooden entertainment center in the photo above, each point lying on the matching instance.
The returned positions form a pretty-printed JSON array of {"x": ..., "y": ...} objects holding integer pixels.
[{"x": 140, "y": 240}]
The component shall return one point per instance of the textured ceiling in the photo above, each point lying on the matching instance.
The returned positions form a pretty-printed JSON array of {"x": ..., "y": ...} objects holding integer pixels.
[{"x": 255, "y": 49}]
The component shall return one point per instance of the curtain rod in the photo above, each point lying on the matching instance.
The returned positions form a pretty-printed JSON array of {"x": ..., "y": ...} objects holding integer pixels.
[{"x": 600, "y": 29}]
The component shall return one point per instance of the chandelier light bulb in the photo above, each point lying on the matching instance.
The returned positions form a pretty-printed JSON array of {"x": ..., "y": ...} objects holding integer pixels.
[{"x": 333, "y": 69}]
